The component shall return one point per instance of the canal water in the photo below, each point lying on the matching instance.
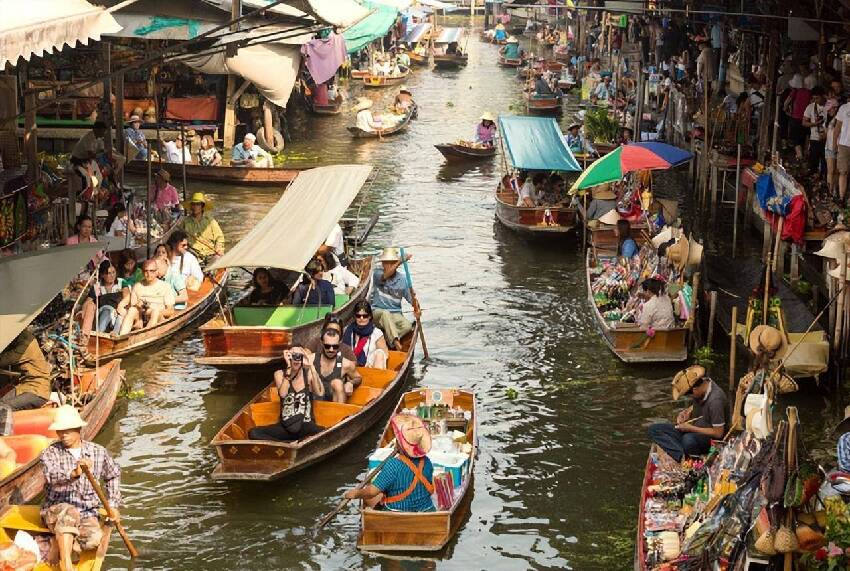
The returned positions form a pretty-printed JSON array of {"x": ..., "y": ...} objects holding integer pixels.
[{"x": 558, "y": 474}]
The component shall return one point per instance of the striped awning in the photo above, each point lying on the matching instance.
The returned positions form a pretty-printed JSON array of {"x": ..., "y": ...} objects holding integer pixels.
[
  {"x": 416, "y": 33},
  {"x": 450, "y": 35}
]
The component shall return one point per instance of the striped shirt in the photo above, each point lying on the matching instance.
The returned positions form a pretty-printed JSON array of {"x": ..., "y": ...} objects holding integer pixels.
[
  {"x": 844, "y": 452},
  {"x": 57, "y": 463},
  {"x": 395, "y": 478}
]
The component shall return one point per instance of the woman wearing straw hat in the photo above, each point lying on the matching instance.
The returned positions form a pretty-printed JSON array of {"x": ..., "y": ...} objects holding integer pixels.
[
  {"x": 71, "y": 503},
  {"x": 403, "y": 100},
  {"x": 406, "y": 482},
  {"x": 205, "y": 235},
  {"x": 365, "y": 119},
  {"x": 603, "y": 200},
  {"x": 485, "y": 131}
]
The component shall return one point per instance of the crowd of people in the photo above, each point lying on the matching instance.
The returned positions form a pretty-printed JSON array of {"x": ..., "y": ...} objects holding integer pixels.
[{"x": 539, "y": 190}]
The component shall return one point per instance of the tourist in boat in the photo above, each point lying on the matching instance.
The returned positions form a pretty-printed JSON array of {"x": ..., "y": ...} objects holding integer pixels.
[
  {"x": 530, "y": 191},
  {"x": 541, "y": 86},
  {"x": 316, "y": 290},
  {"x": 128, "y": 268},
  {"x": 163, "y": 195},
  {"x": 133, "y": 133},
  {"x": 603, "y": 200},
  {"x": 342, "y": 279},
  {"x": 626, "y": 246},
  {"x": 709, "y": 412},
  {"x": 177, "y": 152},
  {"x": 249, "y": 154},
  {"x": 331, "y": 321},
  {"x": 70, "y": 507},
  {"x": 404, "y": 100},
  {"x": 338, "y": 375},
  {"x": 32, "y": 388},
  {"x": 266, "y": 291},
  {"x": 150, "y": 300},
  {"x": 184, "y": 261},
  {"x": 208, "y": 155},
  {"x": 366, "y": 120},
  {"x": 500, "y": 34},
  {"x": 121, "y": 224},
  {"x": 177, "y": 282},
  {"x": 657, "y": 312},
  {"x": 367, "y": 341},
  {"x": 553, "y": 191},
  {"x": 335, "y": 244},
  {"x": 406, "y": 482},
  {"x": 205, "y": 235},
  {"x": 577, "y": 142},
  {"x": 511, "y": 49},
  {"x": 485, "y": 131},
  {"x": 102, "y": 302},
  {"x": 84, "y": 232},
  {"x": 389, "y": 288},
  {"x": 296, "y": 386}
]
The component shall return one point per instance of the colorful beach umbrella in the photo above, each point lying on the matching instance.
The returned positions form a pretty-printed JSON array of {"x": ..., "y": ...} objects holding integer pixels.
[{"x": 629, "y": 158}]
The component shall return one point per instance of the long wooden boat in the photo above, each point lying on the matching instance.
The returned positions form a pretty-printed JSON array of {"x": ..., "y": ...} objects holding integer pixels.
[
  {"x": 450, "y": 61},
  {"x": 243, "y": 459},
  {"x": 530, "y": 221},
  {"x": 28, "y": 518},
  {"x": 542, "y": 105},
  {"x": 384, "y": 80},
  {"x": 109, "y": 346},
  {"x": 604, "y": 241},
  {"x": 359, "y": 133},
  {"x": 230, "y": 342},
  {"x": 99, "y": 389},
  {"x": 640, "y": 544},
  {"x": 510, "y": 62},
  {"x": 382, "y": 530},
  {"x": 246, "y": 176},
  {"x": 455, "y": 152},
  {"x": 630, "y": 343},
  {"x": 359, "y": 73},
  {"x": 332, "y": 108},
  {"x": 417, "y": 59}
]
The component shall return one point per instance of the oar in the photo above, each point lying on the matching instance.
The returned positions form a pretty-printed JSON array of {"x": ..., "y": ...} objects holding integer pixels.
[
  {"x": 415, "y": 301},
  {"x": 324, "y": 521},
  {"x": 99, "y": 491}
]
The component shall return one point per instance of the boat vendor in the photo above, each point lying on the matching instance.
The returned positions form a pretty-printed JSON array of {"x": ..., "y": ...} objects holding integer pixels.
[
  {"x": 541, "y": 86},
  {"x": 24, "y": 367},
  {"x": 205, "y": 235},
  {"x": 151, "y": 300},
  {"x": 657, "y": 312},
  {"x": 500, "y": 34},
  {"x": 367, "y": 341},
  {"x": 338, "y": 375},
  {"x": 70, "y": 505},
  {"x": 390, "y": 287},
  {"x": 485, "y": 131},
  {"x": 709, "y": 412},
  {"x": 406, "y": 482},
  {"x": 529, "y": 193},
  {"x": 134, "y": 134},
  {"x": 603, "y": 200},
  {"x": 577, "y": 142},
  {"x": 296, "y": 385},
  {"x": 404, "y": 99},
  {"x": 402, "y": 59},
  {"x": 604, "y": 91},
  {"x": 177, "y": 152},
  {"x": 626, "y": 246},
  {"x": 511, "y": 49},
  {"x": 163, "y": 195},
  {"x": 184, "y": 261},
  {"x": 316, "y": 290},
  {"x": 249, "y": 154},
  {"x": 366, "y": 120}
]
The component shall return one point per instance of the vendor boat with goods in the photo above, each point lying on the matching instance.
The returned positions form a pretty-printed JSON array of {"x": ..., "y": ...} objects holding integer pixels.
[
  {"x": 416, "y": 41},
  {"x": 462, "y": 150},
  {"x": 439, "y": 446},
  {"x": 511, "y": 55},
  {"x": 370, "y": 125},
  {"x": 532, "y": 199},
  {"x": 246, "y": 334}
]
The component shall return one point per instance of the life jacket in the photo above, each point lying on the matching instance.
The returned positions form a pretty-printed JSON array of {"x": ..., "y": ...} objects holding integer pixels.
[{"x": 418, "y": 477}]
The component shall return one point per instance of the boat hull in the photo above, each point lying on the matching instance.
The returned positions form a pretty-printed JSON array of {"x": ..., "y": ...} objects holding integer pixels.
[
  {"x": 529, "y": 221},
  {"x": 458, "y": 153},
  {"x": 450, "y": 61},
  {"x": 505, "y": 62},
  {"x": 543, "y": 105},
  {"x": 244, "y": 176},
  {"x": 378, "y": 81},
  {"x": 358, "y": 133}
]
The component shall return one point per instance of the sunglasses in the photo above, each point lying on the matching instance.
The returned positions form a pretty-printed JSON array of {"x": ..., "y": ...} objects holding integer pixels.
[
  {"x": 363, "y": 315},
  {"x": 331, "y": 346}
]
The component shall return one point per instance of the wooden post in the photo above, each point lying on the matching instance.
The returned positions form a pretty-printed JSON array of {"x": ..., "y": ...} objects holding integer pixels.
[
  {"x": 183, "y": 157},
  {"x": 712, "y": 314},
  {"x": 733, "y": 349},
  {"x": 31, "y": 136},
  {"x": 795, "y": 267},
  {"x": 737, "y": 191},
  {"x": 767, "y": 240},
  {"x": 230, "y": 104},
  {"x": 766, "y": 299},
  {"x": 107, "y": 103},
  {"x": 764, "y": 124},
  {"x": 694, "y": 305},
  {"x": 119, "y": 113},
  {"x": 839, "y": 311}
]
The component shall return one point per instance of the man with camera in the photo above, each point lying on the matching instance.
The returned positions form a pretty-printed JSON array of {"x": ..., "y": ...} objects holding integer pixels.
[{"x": 150, "y": 299}]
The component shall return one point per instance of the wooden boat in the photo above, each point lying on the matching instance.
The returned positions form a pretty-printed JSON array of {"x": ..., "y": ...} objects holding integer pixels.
[
  {"x": 506, "y": 62},
  {"x": 28, "y": 518},
  {"x": 629, "y": 342},
  {"x": 455, "y": 152},
  {"x": 384, "y": 80},
  {"x": 359, "y": 133},
  {"x": 530, "y": 221},
  {"x": 417, "y": 59},
  {"x": 244, "y": 459},
  {"x": 450, "y": 61},
  {"x": 246, "y": 176},
  {"x": 101, "y": 389},
  {"x": 117, "y": 246},
  {"x": 257, "y": 335},
  {"x": 640, "y": 544},
  {"x": 382, "y": 530},
  {"x": 604, "y": 241},
  {"x": 332, "y": 108},
  {"x": 359, "y": 73},
  {"x": 542, "y": 105},
  {"x": 109, "y": 346}
]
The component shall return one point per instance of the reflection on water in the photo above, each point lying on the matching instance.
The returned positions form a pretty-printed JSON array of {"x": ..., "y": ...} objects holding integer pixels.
[{"x": 559, "y": 467}]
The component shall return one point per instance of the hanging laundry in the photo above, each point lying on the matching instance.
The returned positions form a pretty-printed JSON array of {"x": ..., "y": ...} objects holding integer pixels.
[{"x": 324, "y": 56}]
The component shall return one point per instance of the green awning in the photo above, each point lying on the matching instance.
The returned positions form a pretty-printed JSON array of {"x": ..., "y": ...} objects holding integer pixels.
[{"x": 374, "y": 26}]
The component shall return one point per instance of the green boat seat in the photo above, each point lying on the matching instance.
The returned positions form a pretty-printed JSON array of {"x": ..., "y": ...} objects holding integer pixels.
[{"x": 278, "y": 316}]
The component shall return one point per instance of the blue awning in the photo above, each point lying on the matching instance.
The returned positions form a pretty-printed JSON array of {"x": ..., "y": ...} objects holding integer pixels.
[
  {"x": 450, "y": 35},
  {"x": 415, "y": 33},
  {"x": 536, "y": 143}
]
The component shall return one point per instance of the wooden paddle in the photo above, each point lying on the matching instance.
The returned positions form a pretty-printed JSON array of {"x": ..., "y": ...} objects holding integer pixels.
[
  {"x": 99, "y": 491},
  {"x": 374, "y": 472},
  {"x": 416, "y": 305}
]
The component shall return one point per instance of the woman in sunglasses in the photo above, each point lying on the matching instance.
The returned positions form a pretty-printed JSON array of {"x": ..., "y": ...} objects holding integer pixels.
[
  {"x": 370, "y": 347},
  {"x": 296, "y": 384}
]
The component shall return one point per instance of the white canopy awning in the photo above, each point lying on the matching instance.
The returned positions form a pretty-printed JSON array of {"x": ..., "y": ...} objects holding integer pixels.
[
  {"x": 438, "y": 5},
  {"x": 399, "y": 5},
  {"x": 341, "y": 13},
  {"x": 30, "y": 281},
  {"x": 35, "y": 27},
  {"x": 301, "y": 220}
]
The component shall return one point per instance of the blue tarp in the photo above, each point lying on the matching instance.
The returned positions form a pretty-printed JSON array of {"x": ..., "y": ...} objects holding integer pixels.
[
  {"x": 449, "y": 35},
  {"x": 536, "y": 143},
  {"x": 374, "y": 26}
]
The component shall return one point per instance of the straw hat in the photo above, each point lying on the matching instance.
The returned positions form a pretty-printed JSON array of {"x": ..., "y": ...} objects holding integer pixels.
[
  {"x": 390, "y": 254},
  {"x": 767, "y": 338},
  {"x": 411, "y": 434},
  {"x": 165, "y": 175},
  {"x": 198, "y": 197},
  {"x": 611, "y": 217},
  {"x": 137, "y": 111},
  {"x": 603, "y": 192},
  {"x": 134, "y": 118},
  {"x": 404, "y": 89},
  {"x": 487, "y": 116},
  {"x": 67, "y": 417},
  {"x": 679, "y": 253},
  {"x": 362, "y": 103},
  {"x": 685, "y": 380},
  {"x": 665, "y": 235},
  {"x": 833, "y": 245},
  {"x": 512, "y": 40},
  {"x": 695, "y": 255},
  {"x": 574, "y": 125}
]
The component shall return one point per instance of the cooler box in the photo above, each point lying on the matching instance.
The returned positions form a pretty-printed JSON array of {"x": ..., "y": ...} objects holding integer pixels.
[{"x": 453, "y": 463}]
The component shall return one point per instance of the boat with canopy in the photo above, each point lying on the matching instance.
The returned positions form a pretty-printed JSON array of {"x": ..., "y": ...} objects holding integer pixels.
[
  {"x": 533, "y": 145},
  {"x": 245, "y": 176},
  {"x": 245, "y": 334},
  {"x": 446, "y": 57}
]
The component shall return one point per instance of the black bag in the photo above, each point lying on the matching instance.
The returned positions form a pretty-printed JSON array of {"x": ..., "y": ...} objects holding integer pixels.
[
  {"x": 293, "y": 424},
  {"x": 111, "y": 299}
]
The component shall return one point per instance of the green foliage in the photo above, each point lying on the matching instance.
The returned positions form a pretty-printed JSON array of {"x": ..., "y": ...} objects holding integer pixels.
[
  {"x": 599, "y": 126},
  {"x": 704, "y": 357},
  {"x": 511, "y": 393}
]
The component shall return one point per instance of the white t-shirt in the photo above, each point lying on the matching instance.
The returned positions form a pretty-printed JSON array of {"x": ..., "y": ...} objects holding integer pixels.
[
  {"x": 341, "y": 278},
  {"x": 335, "y": 240},
  {"x": 830, "y": 135},
  {"x": 77, "y": 453},
  {"x": 118, "y": 225},
  {"x": 527, "y": 191},
  {"x": 190, "y": 266},
  {"x": 813, "y": 112},
  {"x": 843, "y": 115},
  {"x": 172, "y": 153}
]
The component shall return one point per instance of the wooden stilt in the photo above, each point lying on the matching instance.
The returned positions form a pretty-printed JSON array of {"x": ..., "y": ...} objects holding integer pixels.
[
  {"x": 712, "y": 314},
  {"x": 733, "y": 348}
]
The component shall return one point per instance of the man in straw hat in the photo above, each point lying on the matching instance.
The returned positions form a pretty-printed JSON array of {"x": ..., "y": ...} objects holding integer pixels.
[
  {"x": 249, "y": 154},
  {"x": 706, "y": 419},
  {"x": 70, "y": 504},
  {"x": 205, "y": 235},
  {"x": 390, "y": 287},
  {"x": 485, "y": 131},
  {"x": 133, "y": 133},
  {"x": 603, "y": 200},
  {"x": 406, "y": 482}
]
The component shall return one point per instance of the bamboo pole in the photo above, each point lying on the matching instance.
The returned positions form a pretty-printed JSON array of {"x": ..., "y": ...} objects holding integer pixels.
[
  {"x": 839, "y": 312},
  {"x": 183, "y": 156},
  {"x": 733, "y": 348},
  {"x": 712, "y": 314},
  {"x": 737, "y": 190},
  {"x": 766, "y": 299}
]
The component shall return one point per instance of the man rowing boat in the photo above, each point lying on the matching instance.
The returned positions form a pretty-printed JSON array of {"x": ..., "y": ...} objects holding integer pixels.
[{"x": 390, "y": 288}]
